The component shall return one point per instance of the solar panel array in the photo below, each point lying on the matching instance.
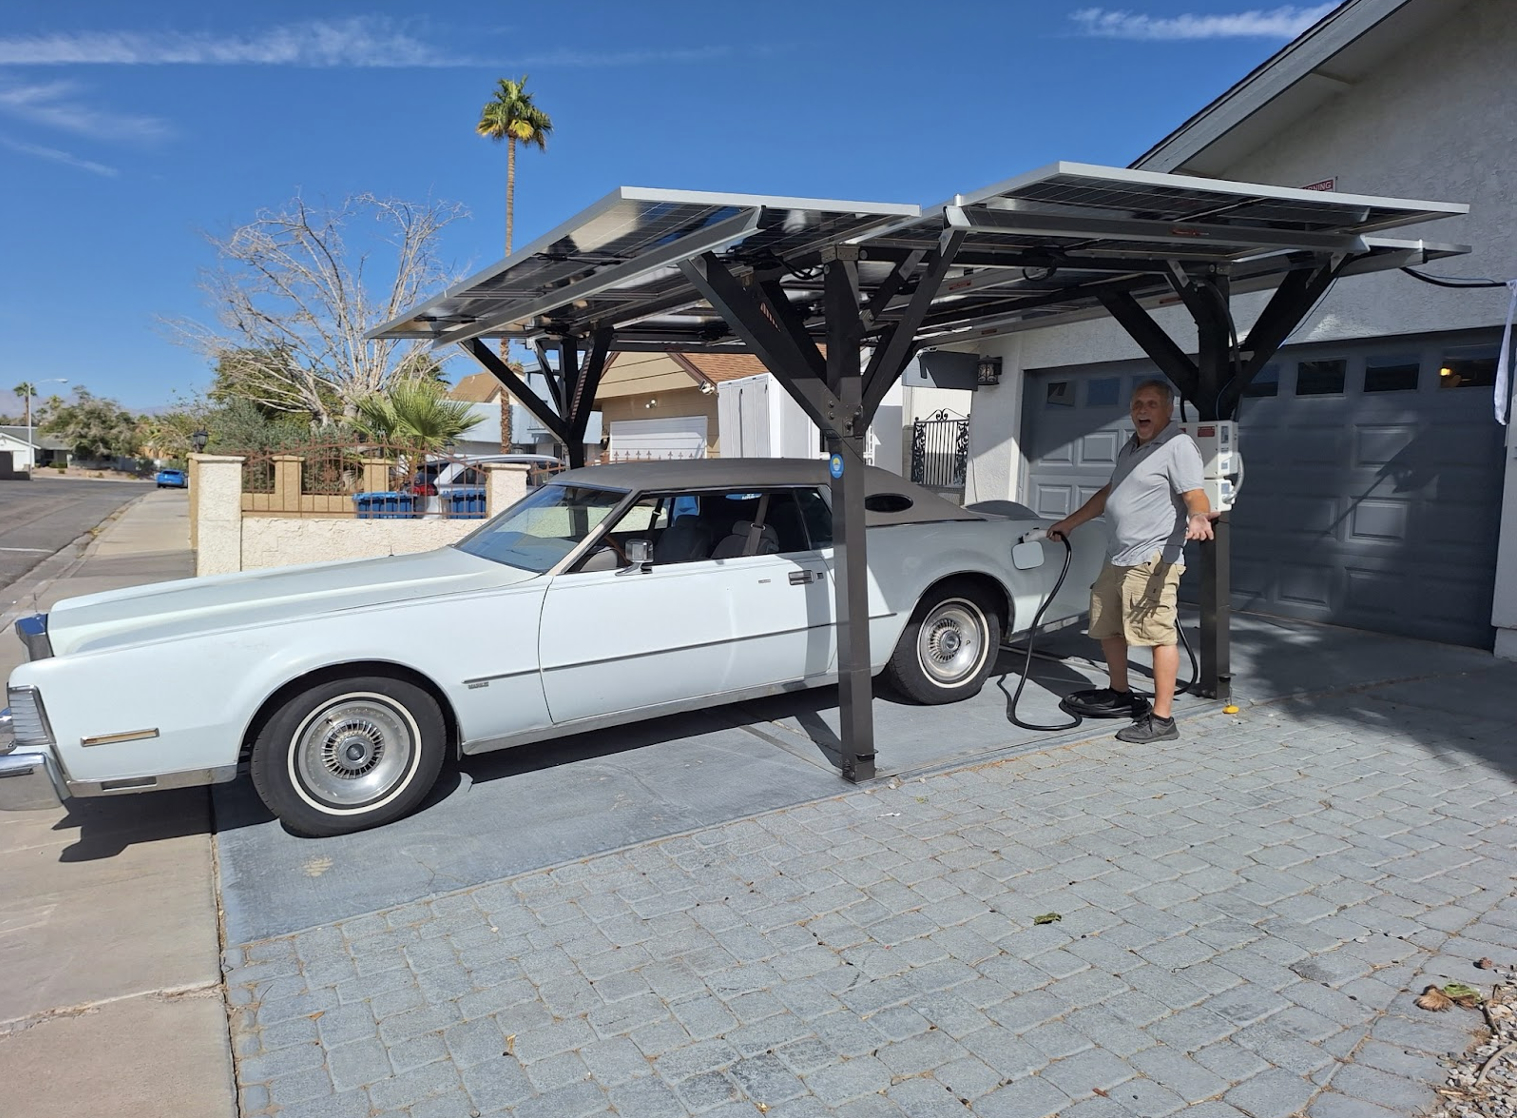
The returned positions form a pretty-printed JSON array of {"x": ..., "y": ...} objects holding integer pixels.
[{"x": 1036, "y": 249}]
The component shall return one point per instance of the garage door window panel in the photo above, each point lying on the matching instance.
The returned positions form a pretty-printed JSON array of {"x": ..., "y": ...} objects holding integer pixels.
[
  {"x": 1321, "y": 378},
  {"x": 1392, "y": 373},
  {"x": 1267, "y": 383},
  {"x": 1468, "y": 367},
  {"x": 1103, "y": 392}
]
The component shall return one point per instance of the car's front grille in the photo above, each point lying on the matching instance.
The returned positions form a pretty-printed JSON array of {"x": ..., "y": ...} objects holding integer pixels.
[{"x": 29, "y": 722}]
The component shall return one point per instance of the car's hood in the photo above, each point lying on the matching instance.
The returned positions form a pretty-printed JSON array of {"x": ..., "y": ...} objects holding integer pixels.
[{"x": 169, "y": 609}]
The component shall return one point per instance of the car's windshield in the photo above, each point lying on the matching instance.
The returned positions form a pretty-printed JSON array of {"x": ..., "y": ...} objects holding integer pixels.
[{"x": 542, "y": 528}]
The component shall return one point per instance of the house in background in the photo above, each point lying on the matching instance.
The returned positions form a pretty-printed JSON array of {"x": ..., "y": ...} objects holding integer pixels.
[
  {"x": 691, "y": 405},
  {"x": 41, "y": 451},
  {"x": 1376, "y": 469},
  {"x": 664, "y": 405},
  {"x": 487, "y": 397}
]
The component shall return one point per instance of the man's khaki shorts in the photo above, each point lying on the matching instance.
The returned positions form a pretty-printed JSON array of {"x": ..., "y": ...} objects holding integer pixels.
[{"x": 1136, "y": 603}]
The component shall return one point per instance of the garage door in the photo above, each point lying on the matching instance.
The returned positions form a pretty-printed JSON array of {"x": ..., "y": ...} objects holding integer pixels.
[
  {"x": 635, "y": 440},
  {"x": 1373, "y": 488}
]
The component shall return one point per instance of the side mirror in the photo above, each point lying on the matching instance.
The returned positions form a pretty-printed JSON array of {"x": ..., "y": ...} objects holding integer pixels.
[
  {"x": 1027, "y": 556},
  {"x": 639, "y": 552}
]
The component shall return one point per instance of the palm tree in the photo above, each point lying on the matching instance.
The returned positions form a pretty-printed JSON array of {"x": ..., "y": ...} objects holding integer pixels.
[
  {"x": 511, "y": 116},
  {"x": 414, "y": 415},
  {"x": 26, "y": 390}
]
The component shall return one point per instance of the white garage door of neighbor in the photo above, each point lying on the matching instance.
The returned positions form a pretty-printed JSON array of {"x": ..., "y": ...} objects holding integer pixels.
[{"x": 681, "y": 436}]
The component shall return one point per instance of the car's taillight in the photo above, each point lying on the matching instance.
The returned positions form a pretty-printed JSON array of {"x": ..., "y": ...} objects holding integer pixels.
[
  {"x": 29, "y": 724},
  {"x": 424, "y": 490}
]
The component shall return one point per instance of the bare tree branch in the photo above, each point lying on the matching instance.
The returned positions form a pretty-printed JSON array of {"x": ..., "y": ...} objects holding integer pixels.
[{"x": 292, "y": 308}]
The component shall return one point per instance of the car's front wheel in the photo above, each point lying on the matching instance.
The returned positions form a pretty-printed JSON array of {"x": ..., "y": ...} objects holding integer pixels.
[
  {"x": 948, "y": 647},
  {"x": 349, "y": 754}
]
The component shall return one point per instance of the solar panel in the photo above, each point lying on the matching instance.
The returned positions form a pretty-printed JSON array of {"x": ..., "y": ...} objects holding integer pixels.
[
  {"x": 624, "y": 253},
  {"x": 1033, "y": 250}
]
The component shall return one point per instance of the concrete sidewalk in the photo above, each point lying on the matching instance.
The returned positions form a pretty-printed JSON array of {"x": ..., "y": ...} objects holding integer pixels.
[{"x": 110, "y": 987}]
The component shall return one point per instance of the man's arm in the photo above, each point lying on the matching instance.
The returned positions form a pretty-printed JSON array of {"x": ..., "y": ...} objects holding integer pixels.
[
  {"x": 1089, "y": 511},
  {"x": 1198, "y": 514}
]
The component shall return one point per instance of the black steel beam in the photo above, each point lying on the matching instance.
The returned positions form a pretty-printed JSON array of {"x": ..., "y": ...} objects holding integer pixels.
[
  {"x": 1290, "y": 303},
  {"x": 770, "y": 331},
  {"x": 502, "y": 372},
  {"x": 582, "y": 401},
  {"x": 569, "y": 380},
  {"x": 1207, "y": 298},
  {"x": 898, "y": 345},
  {"x": 1152, "y": 340},
  {"x": 851, "y": 601}
]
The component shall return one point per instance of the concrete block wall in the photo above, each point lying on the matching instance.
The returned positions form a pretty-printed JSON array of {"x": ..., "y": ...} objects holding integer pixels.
[{"x": 226, "y": 541}]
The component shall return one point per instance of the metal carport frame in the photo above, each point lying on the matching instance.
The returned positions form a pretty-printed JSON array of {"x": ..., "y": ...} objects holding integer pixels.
[{"x": 810, "y": 286}]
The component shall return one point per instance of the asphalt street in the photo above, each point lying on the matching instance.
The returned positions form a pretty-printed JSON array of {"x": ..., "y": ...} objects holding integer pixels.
[{"x": 41, "y": 516}]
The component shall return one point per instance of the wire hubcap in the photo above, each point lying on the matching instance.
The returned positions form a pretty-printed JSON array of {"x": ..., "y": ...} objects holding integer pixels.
[
  {"x": 354, "y": 750},
  {"x": 951, "y": 644}
]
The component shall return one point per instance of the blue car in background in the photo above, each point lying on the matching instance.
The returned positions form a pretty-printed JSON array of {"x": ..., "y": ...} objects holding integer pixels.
[{"x": 173, "y": 479}]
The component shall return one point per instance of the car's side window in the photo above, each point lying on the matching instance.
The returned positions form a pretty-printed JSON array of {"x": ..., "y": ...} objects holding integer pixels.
[{"x": 817, "y": 517}]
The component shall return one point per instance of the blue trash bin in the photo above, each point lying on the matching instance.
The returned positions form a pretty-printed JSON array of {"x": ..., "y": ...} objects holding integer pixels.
[
  {"x": 384, "y": 506},
  {"x": 466, "y": 503}
]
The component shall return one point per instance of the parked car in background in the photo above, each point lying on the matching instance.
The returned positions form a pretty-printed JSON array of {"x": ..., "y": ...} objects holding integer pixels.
[
  {"x": 606, "y": 595},
  {"x": 172, "y": 479},
  {"x": 440, "y": 477}
]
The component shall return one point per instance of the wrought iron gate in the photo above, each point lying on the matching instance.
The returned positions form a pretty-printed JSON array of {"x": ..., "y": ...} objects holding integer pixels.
[{"x": 940, "y": 449}]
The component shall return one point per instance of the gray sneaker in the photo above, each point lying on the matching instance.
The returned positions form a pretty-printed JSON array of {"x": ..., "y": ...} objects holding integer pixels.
[{"x": 1151, "y": 727}]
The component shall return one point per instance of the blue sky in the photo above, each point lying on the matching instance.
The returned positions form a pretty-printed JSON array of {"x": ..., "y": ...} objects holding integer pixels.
[{"x": 128, "y": 131}]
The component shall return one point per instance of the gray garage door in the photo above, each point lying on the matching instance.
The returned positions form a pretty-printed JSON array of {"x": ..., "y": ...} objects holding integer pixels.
[{"x": 1373, "y": 488}]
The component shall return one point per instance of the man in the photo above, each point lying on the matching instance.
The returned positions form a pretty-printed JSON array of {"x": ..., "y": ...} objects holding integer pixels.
[{"x": 1154, "y": 504}]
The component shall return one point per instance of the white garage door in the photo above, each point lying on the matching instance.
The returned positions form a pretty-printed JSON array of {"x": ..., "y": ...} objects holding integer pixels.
[
  {"x": 1373, "y": 485},
  {"x": 637, "y": 440}
]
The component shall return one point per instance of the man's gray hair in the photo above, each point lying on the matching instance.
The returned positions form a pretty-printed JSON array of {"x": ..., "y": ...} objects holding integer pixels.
[{"x": 1163, "y": 387}]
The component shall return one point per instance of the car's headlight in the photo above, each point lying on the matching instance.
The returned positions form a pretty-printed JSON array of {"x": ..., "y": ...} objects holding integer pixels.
[
  {"x": 33, "y": 633},
  {"x": 29, "y": 724}
]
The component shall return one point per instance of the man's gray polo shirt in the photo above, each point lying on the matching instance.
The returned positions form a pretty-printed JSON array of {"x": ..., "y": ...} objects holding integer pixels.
[{"x": 1145, "y": 513}]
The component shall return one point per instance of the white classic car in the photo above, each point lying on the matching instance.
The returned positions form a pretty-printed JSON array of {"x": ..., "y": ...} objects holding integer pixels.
[{"x": 610, "y": 594}]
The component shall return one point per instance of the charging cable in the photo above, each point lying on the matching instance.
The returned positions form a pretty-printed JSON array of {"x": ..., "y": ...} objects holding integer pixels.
[{"x": 1034, "y": 536}]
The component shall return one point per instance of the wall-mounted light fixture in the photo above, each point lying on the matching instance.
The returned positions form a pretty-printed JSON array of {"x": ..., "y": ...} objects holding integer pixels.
[
  {"x": 652, "y": 402},
  {"x": 198, "y": 440},
  {"x": 988, "y": 371}
]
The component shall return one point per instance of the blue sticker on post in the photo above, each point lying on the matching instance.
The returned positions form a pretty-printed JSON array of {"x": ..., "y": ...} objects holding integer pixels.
[{"x": 835, "y": 465}]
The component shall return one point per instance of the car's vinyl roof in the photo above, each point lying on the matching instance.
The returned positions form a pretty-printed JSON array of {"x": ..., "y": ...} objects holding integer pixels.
[{"x": 759, "y": 473}]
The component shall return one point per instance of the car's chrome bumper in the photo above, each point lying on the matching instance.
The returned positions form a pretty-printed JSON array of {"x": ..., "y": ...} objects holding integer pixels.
[{"x": 29, "y": 781}]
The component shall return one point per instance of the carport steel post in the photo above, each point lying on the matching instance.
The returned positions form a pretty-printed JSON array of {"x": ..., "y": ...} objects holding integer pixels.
[{"x": 841, "y": 398}]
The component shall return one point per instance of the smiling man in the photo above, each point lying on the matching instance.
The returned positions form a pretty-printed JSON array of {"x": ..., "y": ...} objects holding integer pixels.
[{"x": 1154, "y": 504}]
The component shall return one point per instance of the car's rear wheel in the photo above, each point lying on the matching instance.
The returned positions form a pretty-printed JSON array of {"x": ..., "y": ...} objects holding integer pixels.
[
  {"x": 948, "y": 647},
  {"x": 349, "y": 754}
]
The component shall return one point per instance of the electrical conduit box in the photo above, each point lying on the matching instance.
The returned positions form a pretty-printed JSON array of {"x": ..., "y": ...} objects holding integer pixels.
[{"x": 1222, "y": 465}]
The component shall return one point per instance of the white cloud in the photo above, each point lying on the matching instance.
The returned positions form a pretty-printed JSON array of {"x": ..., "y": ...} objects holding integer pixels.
[
  {"x": 1266, "y": 23},
  {"x": 63, "y": 157},
  {"x": 352, "y": 42},
  {"x": 60, "y": 105},
  {"x": 624, "y": 58}
]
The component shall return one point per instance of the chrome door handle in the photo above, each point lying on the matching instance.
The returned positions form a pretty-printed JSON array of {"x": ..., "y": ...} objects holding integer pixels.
[{"x": 799, "y": 578}]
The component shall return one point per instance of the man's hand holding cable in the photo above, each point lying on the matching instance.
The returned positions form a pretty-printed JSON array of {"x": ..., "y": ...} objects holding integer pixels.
[{"x": 1094, "y": 507}]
